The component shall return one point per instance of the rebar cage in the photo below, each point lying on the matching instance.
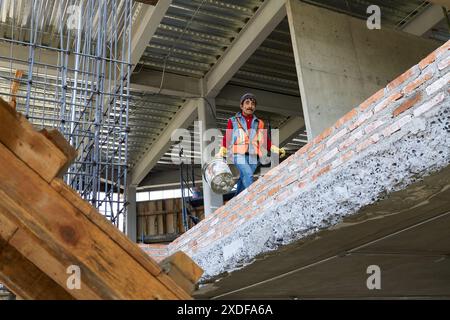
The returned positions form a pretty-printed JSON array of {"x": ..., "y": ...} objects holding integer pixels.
[{"x": 66, "y": 65}]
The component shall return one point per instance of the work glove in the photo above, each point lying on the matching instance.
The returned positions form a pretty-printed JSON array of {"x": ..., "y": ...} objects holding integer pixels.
[
  {"x": 222, "y": 153},
  {"x": 280, "y": 151}
]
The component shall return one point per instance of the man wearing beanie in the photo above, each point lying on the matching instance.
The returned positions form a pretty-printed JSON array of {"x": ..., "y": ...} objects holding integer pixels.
[{"x": 246, "y": 137}]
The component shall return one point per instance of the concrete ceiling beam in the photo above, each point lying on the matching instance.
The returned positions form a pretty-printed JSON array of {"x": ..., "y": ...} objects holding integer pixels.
[{"x": 263, "y": 22}]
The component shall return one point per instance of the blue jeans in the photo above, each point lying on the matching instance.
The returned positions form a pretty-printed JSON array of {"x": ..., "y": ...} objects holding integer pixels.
[{"x": 247, "y": 166}]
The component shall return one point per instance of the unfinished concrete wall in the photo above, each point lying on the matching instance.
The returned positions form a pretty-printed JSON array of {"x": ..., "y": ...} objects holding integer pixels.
[
  {"x": 340, "y": 62},
  {"x": 397, "y": 136}
]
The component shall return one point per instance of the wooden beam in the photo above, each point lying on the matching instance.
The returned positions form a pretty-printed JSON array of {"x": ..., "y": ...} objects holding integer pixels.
[
  {"x": 182, "y": 270},
  {"x": 30, "y": 146},
  {"x": 63, "y": 145},
  {"x": 15, "y": 88},
  {"x": 68, "y": 232},
  {"x": 118, "y": 237},
  {"x": 24, "y": 279}
]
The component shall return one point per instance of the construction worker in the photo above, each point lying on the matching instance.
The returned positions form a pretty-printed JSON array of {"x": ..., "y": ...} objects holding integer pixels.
[{"x": 247, "y": 139}]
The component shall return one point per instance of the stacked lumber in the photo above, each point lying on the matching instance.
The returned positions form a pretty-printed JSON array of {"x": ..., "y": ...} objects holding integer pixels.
[{"x": 46, "y": 229}]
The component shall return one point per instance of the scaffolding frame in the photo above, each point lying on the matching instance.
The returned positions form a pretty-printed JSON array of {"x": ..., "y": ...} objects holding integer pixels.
[{"x": 83, "y": 92}]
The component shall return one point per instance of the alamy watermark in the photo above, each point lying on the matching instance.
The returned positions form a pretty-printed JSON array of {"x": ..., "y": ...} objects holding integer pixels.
[
  {"x": 210, "y": 142},
  {"x": 374, "y": 280},
  {"x": 73, "y": 17},
  {"x": 374, "y": 20},
  {"x": 74, "y": 280}
]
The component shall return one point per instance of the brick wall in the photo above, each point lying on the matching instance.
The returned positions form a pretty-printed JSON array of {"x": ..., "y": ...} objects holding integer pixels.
[
  {"x": 157, "y": 251},
  {"x": 382, "y": 117}
]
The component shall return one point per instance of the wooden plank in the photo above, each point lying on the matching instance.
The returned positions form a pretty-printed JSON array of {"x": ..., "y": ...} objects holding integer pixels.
[
  {"x": 155, "y": 213},
  {"x": 63, "y": 145},
  {"x": 183, "y": 270},
  {"x": 160, "y": 218},
  {"x": 24, "y": 279},
  {"x": 15, "y": 88},
  {"x": 185, "y": 264},
  {"x": 131, "y": 248},
  {"x": 46, "y": 211},
  {"x": 55, "y": 267},
  {"x": 11, "y": 210},
  {"x": 151, "y": 223},
  {"x": 100, "y": 221},
  {"x": 7, "y": 228},
  {"x": 29, "y": 145},
  {"x": 170, "y": 223},
  {"x": 171, "y": 280}
]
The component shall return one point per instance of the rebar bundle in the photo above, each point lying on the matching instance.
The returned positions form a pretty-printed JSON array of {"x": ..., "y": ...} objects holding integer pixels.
[{"x": 66, "y": 65}]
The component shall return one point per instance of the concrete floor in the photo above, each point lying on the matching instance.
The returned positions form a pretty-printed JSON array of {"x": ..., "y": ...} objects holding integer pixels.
[{"x": 407, "y": 235}]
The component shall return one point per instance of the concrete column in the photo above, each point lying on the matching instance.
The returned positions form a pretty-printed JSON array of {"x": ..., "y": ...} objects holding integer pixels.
[
  {"x": 340, "y": 62},
  {"x": 131, "y": 227},
  {"x": 207, "y": 120}
]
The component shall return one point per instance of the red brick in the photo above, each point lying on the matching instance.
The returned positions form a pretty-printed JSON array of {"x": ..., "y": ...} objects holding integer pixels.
[
  {"x": 438, "y": 84},
  {"x": 347, "y": 156},
  {"x": 321, "y": 172},
  {"x": 401, "y": 79},
  {"x": 301, "y": 184},
  {"x": 336, "y": 137},
  {"x": 444, "y": 63},
  {"x": 351, "y": 140},
  {"x": 227, "y": 213},
  {"x": 273, "y": 191},
  {"x": 445, "y": 47},
  {"x": 251, "y": 195},
  {"x": 336, "y": 163},
  {"x": 417, "y": 83},
  {"x": 290, "y": 180},
  {"x": 397, "y": 125},
  {"x": 346, "y": 118},
  {"x": 374, "y": 98},
  {"x": 308, "y": 169},
  {"x": 407, "y": 104},
  {"x": 429, "y": 105},
  {"x": 316, "y": 151},
  {"x": 260, "y": 200},
  {"x": 428, "y": 60},
  {"x": 323, "y": 135},
  {"x": 304, "y": 149},
  {"x": 328, "y": 156},
  {"x": 284, "y": 195},
  {"x": 362, "y": 118},
  {"x": 392, "y": 98},
  {"x": 372, "y": 140}
]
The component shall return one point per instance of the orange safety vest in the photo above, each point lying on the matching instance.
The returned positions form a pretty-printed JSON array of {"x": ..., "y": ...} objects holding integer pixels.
[{"x": 247, "y": 142}]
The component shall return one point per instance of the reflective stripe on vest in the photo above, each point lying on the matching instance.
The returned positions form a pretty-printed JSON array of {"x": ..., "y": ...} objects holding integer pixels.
[{"x": 240, "y": 136}]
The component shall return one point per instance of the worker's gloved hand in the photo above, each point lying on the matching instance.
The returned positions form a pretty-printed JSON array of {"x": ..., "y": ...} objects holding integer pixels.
[
  {"x": 222, "y": 153},
  {"x": 280, "y": 151}
]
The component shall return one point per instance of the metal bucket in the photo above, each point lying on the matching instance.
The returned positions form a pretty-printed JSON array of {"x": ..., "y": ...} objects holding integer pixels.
[{"x": 218, "y": 175}]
